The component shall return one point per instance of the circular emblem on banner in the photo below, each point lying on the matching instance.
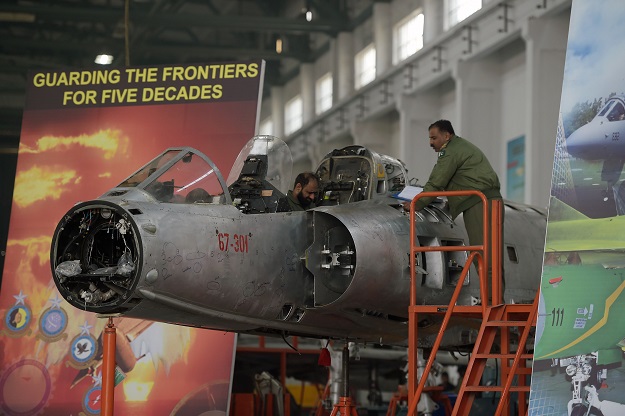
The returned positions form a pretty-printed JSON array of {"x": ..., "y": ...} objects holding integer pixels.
[
  {"x": 84, "y": 348},
  {"x": 91, "y": 403},
  {"x": 25, "y": 388},
  {"x": 17, "y": 319},
  {"x": 52, "y": 324}
]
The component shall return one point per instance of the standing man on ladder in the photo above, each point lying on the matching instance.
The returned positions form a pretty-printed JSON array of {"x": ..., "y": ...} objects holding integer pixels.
[{"x": 462, "y": 166}]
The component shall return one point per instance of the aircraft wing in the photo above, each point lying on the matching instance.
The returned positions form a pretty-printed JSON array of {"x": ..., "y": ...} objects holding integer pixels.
[
  {"x": 601, "y": 234},
  {"x": 595, "y": 240}
]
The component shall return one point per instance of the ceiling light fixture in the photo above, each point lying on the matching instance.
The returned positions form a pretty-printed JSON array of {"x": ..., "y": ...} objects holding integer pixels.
[
  {"x": 279, "y": 45},
  {"x": 308, "y": 11},
  {"x": 17, "y": 17},
  {"x": 104, "y": 59}
]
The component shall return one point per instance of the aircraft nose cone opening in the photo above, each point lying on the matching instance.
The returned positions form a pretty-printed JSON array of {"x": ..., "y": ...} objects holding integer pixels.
[{"x": 96, "y": 257}]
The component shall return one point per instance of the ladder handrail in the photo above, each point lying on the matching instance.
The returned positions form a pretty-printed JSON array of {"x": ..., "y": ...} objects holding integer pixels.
[
  {"x": 450, "y": 308},
  {"x": 483, "y": 248},
  {"x": 479, "y": 251}
]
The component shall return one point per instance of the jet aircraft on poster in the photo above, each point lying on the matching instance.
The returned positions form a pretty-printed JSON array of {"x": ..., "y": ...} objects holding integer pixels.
[
  {"x": 581, "y": 331},
  {"x": 603, "y": 139}
]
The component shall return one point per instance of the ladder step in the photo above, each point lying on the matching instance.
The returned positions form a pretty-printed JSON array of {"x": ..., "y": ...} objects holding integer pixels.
[
  {"x": 509, "y": 356},
  {"x": 472, "y": 311},
  {"x": 505, "y": 323},
  {"x": 519, "y": 308},
  {"x": 495, "y": 388}
]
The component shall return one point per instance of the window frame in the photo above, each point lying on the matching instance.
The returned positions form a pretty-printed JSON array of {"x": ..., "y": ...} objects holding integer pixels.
[
  {"x": 364, "y": 74},
  {"x": 453, "y": 7},
  {"x": 324, "y": 98},
  {"x": 293, "y": 115},
  {"x": 402, "y": 48}
]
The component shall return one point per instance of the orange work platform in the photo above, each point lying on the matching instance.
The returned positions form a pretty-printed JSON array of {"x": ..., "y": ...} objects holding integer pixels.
[{"x": 498, "y": 320}]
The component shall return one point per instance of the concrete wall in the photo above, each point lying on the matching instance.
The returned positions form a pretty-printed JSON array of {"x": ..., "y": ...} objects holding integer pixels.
[{"x": 496, "y": 76}]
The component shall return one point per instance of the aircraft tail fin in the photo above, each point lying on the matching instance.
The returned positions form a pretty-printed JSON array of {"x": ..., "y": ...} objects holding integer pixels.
[{"x": 562, "y": 212}]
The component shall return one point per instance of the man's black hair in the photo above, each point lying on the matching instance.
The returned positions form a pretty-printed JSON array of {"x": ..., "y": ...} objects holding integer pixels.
[
  {"x": 443, "y": 125},
  {"x": 305, "y": 177}
]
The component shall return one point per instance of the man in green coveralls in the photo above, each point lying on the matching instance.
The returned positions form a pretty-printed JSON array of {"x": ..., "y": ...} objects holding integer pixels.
[
  {"x": 304, "y": 191},
  {"x": 461, "y": 166}
]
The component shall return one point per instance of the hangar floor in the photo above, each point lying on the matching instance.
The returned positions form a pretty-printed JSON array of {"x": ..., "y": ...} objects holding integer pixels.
[{"x": 374, "y": 372}]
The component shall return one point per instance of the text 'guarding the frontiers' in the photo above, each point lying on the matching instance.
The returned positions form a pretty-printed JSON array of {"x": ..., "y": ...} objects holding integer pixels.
[{"x": 143, "y": 85}]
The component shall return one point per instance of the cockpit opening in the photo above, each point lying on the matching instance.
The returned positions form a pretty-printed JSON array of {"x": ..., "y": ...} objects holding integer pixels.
[
  {"x": 180, "y": 176},
  {"x": 261, "y": 175},
  {"x": 617, "y": 112},
  {"x": 355, "y": 173}
]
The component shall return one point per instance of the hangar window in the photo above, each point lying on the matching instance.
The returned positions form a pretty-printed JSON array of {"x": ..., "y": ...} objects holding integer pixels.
[
  {"x": 293, "y": 115},
  {"x": 458, "y": 10},
  {"x": 365, "y": 66},
  {"x": 323, "y": 93},
  {"x": 408, "y": 36}
]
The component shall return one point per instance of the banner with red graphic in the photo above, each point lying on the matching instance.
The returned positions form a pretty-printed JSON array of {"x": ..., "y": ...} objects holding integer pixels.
[{"x": 84, "y": 132}]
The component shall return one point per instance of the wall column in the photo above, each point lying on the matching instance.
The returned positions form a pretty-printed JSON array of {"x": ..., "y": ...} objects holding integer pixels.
[
  {"x": 383, "y": 37},
  {"x": 277, "y": 111},
  {"x": 307, "y": 80},
  {"x": 478, "y": 104},
  {"x": 344, "y": 61},
  {"x": 545, "y": 55},
  {"x": 433, "y": 19},
  {"x": 372, "y": 134},
  {"x": 416, "y": 113}
]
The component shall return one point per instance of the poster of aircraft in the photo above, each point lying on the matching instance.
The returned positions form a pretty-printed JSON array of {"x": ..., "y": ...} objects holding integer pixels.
[{"x": 579, "y": 341}]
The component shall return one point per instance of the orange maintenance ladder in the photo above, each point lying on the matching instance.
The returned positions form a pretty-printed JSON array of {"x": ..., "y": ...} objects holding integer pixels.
[{"x": 497, "y": 317}]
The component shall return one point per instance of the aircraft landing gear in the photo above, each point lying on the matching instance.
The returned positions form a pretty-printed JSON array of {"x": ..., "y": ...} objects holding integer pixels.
[
  {"x": 345, "y": 407},
  {"x": 604, "y": 407},
  {"x": 584, "y": 373},
  {"x": 592, "y": 406}
]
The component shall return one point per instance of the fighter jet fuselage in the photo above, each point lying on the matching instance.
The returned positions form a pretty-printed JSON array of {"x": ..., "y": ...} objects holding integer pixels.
[{"x": 238, "y": 260}]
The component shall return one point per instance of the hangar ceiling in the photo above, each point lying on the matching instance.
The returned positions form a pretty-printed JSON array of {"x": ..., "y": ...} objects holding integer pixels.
[
  {"x": 61, "y": 34},
  {"x": 64, "y": 34}
]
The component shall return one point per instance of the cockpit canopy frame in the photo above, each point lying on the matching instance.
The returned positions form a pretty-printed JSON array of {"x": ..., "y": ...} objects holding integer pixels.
[
  {"x": 355, "y": 173},
  {"x": 180, "y": 175}
]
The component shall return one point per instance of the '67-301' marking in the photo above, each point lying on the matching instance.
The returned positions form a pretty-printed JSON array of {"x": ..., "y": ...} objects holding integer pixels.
[{"x": 239, "y": 243}]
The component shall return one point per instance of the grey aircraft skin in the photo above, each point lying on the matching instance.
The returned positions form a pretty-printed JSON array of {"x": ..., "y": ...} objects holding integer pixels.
[{"x": 236, "y": 259}]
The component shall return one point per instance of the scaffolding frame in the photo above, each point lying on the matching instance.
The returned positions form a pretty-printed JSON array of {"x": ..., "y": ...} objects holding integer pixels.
[{"x": 494, "y": 314}]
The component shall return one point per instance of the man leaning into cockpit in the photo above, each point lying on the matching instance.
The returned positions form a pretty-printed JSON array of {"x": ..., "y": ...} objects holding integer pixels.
[{"x": 304, "y": 192}]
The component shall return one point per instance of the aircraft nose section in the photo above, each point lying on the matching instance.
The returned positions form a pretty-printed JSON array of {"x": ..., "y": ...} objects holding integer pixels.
[
  {"x": 584, "y": 141},
  {"x": 96, "y": 257}
]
